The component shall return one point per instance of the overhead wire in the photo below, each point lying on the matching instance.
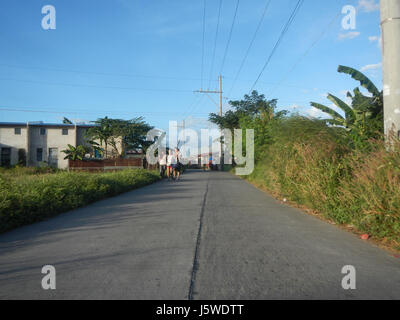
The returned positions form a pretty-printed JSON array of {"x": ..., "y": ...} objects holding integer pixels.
[
  {"x": 34, "y": 110},
  {"x": 277, "y": 44},
  {"x": 94, "y": 86},
  {"x": 215, "y": 42},
  {"x": 250, "y": 45},
  {"x": 194, "y": 107},
  {"x": 102, "y": 73},
  {"x": 202, "y": 50},
  {"x": 313, "y": 44},
  {"x": 229, "y": 37}
]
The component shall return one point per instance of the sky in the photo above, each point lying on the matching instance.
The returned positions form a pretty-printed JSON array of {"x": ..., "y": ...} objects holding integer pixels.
[{"x": 130, "y": 58}]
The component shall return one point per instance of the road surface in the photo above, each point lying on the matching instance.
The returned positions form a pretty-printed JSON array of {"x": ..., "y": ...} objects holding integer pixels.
[{"x": 209, "y": 236}]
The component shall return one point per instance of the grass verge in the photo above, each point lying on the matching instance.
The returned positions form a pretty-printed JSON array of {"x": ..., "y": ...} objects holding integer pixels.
[
  {"x": 359, "y": 190},
  {"x": 35, "y": 196}
]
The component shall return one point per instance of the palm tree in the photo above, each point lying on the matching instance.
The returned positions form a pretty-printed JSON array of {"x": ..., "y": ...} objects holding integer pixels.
[
  {"x": 120, "y": 134},
  {"x": 103, "y": 132}
]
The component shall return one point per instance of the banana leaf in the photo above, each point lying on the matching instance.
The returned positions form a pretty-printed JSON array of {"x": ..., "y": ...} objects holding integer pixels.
[{"x": 363, "y": 79}]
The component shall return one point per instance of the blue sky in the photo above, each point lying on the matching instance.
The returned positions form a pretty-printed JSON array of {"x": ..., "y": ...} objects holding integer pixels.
[{"x": 129, "y": 58}]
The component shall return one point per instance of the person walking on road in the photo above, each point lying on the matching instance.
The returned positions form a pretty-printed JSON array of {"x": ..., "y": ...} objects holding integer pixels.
[
  {"x": 178, "y": 165},
  {"x": 162, "y": 160},
  {"x": 171, "y": 161}
]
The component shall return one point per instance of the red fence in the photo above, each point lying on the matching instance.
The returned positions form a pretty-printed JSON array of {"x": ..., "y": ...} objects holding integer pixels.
[{"x": 105, "y": 165}]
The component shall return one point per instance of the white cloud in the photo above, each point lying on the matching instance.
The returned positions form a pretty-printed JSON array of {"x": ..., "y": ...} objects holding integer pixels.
[
  {"x": 371, "y": 67},
  {"x": 376, "y": 39},
  {"x": 368, "y": 5},
  {"x": 316, "y": 113},
  {"x": 349, "y": 35}
]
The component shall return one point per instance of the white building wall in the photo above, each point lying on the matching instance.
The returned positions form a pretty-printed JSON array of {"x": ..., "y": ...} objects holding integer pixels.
[
  {"x": 8, "y": 139},
  {"x": 53, "y": 138}
]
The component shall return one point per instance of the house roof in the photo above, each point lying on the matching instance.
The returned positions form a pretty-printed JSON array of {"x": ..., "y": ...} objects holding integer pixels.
[{"x": 43, "y": 124}]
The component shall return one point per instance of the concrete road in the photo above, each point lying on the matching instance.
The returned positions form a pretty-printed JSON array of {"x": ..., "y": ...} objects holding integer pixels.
[{"x": 209, "y": 236}]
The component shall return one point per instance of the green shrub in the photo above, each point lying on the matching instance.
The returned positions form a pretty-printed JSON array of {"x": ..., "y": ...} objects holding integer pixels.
[
  {"x": 314, "y": 166},
  {"x": 27, "y": 198}
]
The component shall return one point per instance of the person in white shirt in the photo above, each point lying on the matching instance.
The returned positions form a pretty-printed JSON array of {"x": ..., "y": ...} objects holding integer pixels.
[
  {"x": 162, "y": 160},
  {"x": 171, "y": 161}
]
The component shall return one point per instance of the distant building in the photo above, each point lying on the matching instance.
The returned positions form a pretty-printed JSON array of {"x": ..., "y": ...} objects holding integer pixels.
[{"x": 35, "y": 143}]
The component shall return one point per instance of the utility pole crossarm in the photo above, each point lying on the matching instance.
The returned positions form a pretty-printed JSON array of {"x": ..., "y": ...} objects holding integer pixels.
[
  {"x": 207, "y": 91},
  {"x": 220, "y": 92}
]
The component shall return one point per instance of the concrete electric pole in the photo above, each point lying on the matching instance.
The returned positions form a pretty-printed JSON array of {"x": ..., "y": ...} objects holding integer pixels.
[
  {"x": 221, "y": 155},
  {"x": 390, "y": 24},
  {"x": 221, "y": 151}
]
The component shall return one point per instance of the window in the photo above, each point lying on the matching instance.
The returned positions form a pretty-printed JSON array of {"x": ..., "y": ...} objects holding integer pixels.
[
  {"x": 64, "y": 132},
  {"x": 39, "y": 154},
  {"x": 17, "y": 131},
  {"x": 5, "y": 157},
  {"x": 42, "y": 131}
]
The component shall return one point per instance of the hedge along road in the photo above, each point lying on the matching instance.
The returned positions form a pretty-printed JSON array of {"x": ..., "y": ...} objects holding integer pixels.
[{"x": 209, "y": 236}]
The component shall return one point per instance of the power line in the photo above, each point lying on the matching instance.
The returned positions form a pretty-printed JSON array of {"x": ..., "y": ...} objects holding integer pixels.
[
  {"x": 284, "y": 85},
  {"x": 230, "y": 36},
  {"x": 102, "y": 73},
  {"x": 250, "y": 46},
  {"x": 283, "y": 33},
  {"x": 215, "y": 41},
  {"x": 307, "y": 51},
  {"x": 94, "y": 86},
  {"x": 195, "y": 106},
  {"x": 30, "y": 110},
  {"x": 190, "y": 106},
  {"x": 204, "y": 33},
  {"x": 288, "y": 102}
]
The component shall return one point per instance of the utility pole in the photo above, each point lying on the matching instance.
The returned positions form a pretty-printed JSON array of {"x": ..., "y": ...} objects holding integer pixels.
[
  {"x": 220, "y": 95},
  {"x": 221, "y": 155},
  {"x": 390, "y": 24}
]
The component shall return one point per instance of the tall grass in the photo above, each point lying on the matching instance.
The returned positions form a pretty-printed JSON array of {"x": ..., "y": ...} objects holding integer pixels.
[
  {"x": 33, "y": 197},
  {"x": 311, "y": 164}
]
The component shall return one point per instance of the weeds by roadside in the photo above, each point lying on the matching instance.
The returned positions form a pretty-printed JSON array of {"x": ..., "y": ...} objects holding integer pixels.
[
  {"x": 28, "y": 196},
  {"x": 350, "y": 187}
]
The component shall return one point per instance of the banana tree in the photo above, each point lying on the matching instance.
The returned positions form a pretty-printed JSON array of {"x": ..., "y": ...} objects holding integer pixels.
[
  {"x": 372, "y": 106},
  {"x": 348, "y": 121},
  {"x": 95, "y": 148},
  {"x": 365, "y": 113},
  {"x": 75, "y": 153},
  {"x": 362, "y": 78}
]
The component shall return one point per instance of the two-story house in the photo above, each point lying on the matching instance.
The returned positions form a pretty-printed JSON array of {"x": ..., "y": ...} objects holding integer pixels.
[{"x": 34, "y": 143}]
